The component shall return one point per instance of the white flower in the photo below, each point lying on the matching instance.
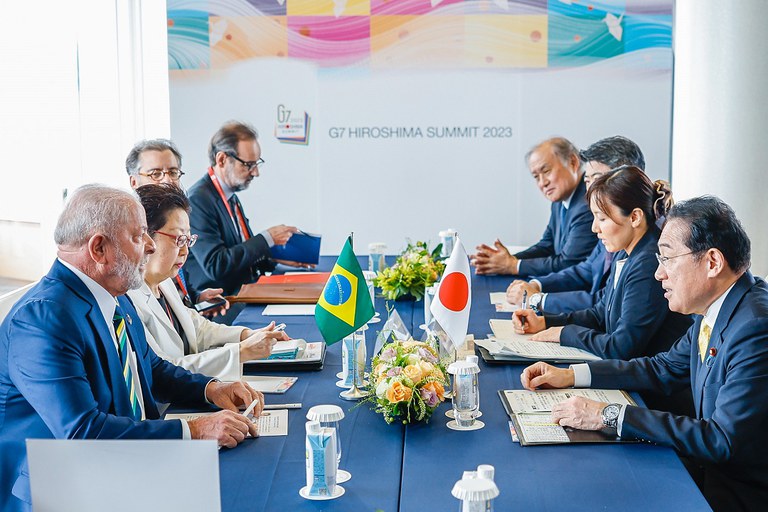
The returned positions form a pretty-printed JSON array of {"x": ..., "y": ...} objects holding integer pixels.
[{"x": 382, "y": 387}]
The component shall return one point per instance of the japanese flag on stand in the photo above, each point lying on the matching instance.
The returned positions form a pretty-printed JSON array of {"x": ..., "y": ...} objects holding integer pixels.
[{"x": 453, "y": 298}]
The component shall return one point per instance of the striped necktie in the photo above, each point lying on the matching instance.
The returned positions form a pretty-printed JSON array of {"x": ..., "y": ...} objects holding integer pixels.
[
  {"x": 704, "y": 333},
  {"x": 124, "y": 348}
]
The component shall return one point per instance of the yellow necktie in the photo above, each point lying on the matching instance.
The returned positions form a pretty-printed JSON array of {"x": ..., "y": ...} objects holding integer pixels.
[{"x": 704, "y": 333}]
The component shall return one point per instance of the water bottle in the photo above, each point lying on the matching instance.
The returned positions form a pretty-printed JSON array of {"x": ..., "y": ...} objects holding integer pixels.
[
  {"x": 447, "y": 238},
  {"x": 376, "y": 261},
  {"x": 475, "y": 492},
  {"x": 466, "y": 392}
]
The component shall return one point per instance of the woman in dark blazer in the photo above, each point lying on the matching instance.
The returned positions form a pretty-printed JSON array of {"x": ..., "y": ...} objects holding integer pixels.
[{"x": 631, "y": 317}]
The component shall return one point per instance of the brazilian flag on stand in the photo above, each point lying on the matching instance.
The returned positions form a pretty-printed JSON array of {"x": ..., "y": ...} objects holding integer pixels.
[{"x": 345, "y": 304}]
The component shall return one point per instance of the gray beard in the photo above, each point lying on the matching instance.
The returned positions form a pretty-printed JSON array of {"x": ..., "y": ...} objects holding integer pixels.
[{"x": 128, "y": 272}]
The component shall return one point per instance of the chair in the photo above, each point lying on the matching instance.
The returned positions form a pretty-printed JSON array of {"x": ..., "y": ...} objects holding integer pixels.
[{"x": 9, "y": 299}]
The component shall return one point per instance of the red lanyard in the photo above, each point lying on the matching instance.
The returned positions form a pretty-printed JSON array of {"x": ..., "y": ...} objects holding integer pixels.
[
  {"x": 240, "y": 217},
  {"x": 180, "y": 283}
]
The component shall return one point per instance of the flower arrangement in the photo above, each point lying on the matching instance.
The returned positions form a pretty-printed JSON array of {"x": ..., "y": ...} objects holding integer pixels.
[
  {"x": 414, "y": 270},
  {"x": 407, "y": 381}
]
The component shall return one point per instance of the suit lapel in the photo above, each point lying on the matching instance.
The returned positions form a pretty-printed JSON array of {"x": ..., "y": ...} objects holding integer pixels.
[
  {"x": 180, "y": 310},
  {"x": 742, "y": 286},
  {"x": 112, "y": 366},
  {"x": 234, "y": 235}
]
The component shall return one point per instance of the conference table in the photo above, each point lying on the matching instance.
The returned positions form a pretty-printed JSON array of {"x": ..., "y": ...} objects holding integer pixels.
[{"x": 412, "y": 468}]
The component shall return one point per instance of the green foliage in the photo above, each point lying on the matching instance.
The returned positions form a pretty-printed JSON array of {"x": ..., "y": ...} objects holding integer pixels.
[{"x": 414, "y": 270}]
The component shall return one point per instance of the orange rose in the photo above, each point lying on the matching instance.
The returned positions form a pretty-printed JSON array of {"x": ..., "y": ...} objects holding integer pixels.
[
  {"x": 436, "y": 388},
  {"x": 413, "y": 372},
  {"x": 399, "y": 392}
]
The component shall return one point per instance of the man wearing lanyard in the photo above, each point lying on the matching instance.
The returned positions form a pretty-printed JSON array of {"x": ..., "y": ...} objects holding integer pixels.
[
  {"x": 723, "y": 358},
  {"x": 158, "y": 161},
  {"x": 228, "y": 254},
  {"x": 74, "y": 362}
]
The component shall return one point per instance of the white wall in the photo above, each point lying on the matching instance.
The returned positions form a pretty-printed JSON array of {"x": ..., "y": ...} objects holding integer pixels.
[{"x": 392, "y": 189}]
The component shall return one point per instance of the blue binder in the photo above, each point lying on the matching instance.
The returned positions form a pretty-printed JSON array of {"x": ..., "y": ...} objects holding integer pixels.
[{"x": 301, "y": 247}]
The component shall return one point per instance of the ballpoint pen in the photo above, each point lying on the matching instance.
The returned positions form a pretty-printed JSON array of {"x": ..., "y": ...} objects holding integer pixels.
[
  {"x": 282, "y": 406},
  {"x": 250, "y": 408},
  {"x": 524, "y": 306},
  {"x": 279, "y": 327}
]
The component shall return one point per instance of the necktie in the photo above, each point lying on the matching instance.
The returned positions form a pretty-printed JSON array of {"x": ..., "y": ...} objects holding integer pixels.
[
  {"x": 704, "y": 333},
  {"x": 124, "y": 349},
  {"x": 233, "y": 206},
  {"x": 563, "y": 212}
]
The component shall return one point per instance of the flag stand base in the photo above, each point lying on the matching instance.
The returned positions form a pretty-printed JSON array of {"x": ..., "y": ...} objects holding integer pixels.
[{"x": 353, "y": 393}]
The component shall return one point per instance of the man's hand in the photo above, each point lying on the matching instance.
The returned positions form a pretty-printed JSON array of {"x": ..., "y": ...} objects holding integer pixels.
[
  {"x": 282, "y": 233},
  {"x": 551, "y": 335},
  {"x": 213, "y": 293},
  {"x": 234, "y": 396},
  {"x": 526, "y": 321},
  {"x": 494, "y": 260},
  {"x": 579, "y": 412},
  {"x": 226, "y": 427},
  {"x": 546, "y": 376},
  {"x": 517, "y": 287}
]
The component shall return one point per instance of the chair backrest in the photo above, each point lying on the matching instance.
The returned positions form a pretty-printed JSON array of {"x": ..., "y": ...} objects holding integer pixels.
[
  {"x": 121, "y": 476},
  {"x": 9, "y": 299}
]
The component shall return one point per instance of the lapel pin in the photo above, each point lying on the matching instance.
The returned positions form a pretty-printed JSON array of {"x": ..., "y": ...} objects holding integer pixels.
[
  {"x": 711, "y": 358},
  {"x": 128, "y": 319},
  {"x": 712, "y": 352}
]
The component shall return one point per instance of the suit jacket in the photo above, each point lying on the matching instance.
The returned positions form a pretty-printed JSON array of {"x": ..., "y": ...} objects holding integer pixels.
[
  {"x": 633, "y": 319},
  {"x": 220, "y": 259},
  {"x": 564, "y": 243},
  {"x": 577, "y": 287},
  {"x": 727, "y": 434},
  {"x": 61, "y": 377},
  {"x": 215, "y": 348}
]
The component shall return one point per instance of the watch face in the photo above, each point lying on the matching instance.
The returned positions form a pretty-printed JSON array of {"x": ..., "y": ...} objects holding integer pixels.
[{"x": 611, "y": 414}]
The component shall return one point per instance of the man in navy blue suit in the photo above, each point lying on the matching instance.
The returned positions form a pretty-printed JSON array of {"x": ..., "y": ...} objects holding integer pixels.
[
  {"x": 228, "y": 253},
  {"x": 568, "y": 238},
  {"x": 74, "y": 362},
  {"x": 723, "y": 358},
  {"x": 577, "y": 287}
]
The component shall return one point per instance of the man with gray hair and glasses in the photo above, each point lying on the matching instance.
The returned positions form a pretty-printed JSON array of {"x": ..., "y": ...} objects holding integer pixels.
[
  {"x": 74, "y": 362},
  {"x": 154, "y": 161}
]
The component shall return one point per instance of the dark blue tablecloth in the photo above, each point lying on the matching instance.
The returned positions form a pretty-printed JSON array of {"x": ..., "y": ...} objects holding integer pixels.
[{"x": 412, "y": 469}]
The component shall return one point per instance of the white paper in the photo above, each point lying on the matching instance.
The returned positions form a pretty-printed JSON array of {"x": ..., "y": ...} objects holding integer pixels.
[
  {"x": 289, "y": 310},
  {"x": 270, "y": 423},
  {"x": 505, "y": 330},
  {"x": 499, "y": 300},
  {"x": 541, "y": 401},
  {"x": 269, "y": 384},
  {"x": 281, "y": 347},
  {"x": 534, "y": 350},
  {"x": 538, "y": 428}
]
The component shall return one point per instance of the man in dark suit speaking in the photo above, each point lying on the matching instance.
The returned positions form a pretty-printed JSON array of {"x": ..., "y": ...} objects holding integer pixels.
[
  {"x": 568, "y": 238},
  {"x": 74, "y": 362},
  {"x": 227, "y": 253},
  {"x": 703, "y": 267}
]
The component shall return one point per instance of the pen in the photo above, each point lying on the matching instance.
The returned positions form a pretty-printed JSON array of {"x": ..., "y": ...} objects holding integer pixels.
[
  {"x": 283, "y": 406},
  {"x": 524, "y": 306},
  {"x": 279, "y": 327},
  {"x": 250, "y": 408}
]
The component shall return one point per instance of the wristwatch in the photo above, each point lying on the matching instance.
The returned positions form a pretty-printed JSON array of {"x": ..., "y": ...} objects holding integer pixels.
[
  {"x": 610, "y": 415},
  {"x": 534, "y": 302}
]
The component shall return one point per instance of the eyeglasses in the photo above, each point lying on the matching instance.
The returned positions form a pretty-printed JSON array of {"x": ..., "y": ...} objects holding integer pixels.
[
  {"x": 158, "y": 174},
  {"x": 664, "y": 259},
  {"x": 181, "y": 240},
  {"x": 249, "y": 165}
]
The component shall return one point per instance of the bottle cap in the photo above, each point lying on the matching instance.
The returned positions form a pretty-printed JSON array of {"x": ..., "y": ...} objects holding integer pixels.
[
  {"x": 463, "y": 368},
  {"x": 377, "y": 247},
  {"x": 486, "y": 471},
  {"x": 325, "y": 413},
  {"x": 475, "y": 489},
  {"x": 313, "y": 427},
  {"x": 472, "y": 359},
  {"x": 447, "y": 232}
]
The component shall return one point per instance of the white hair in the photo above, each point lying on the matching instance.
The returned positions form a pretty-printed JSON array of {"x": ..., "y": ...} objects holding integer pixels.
[{"x": 94, "y": 209}]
